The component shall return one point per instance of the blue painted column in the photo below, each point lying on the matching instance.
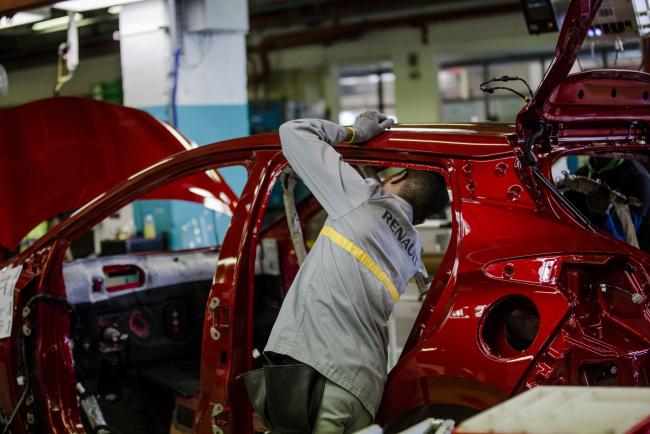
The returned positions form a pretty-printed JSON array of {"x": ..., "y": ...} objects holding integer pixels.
[{"x": 205, "y": 80}]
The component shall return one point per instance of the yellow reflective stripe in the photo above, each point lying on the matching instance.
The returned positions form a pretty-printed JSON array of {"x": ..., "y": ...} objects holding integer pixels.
[{"x": 362, "y": 257}]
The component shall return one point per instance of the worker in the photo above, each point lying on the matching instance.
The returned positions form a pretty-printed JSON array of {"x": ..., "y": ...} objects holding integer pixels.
[{"x": 334, "y": 316}]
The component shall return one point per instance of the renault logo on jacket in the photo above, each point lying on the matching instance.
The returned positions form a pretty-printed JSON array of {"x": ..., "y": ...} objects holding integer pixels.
[{"x": 398, "y": 231}]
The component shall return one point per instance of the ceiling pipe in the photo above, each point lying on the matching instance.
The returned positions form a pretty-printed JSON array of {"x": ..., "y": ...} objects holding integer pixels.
[
  {"x": 316, "y": 11},
  {"x": 336, "y": 33}
]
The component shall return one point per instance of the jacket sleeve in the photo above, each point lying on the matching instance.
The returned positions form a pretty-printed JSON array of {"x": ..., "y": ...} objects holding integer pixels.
[{"x": 307, "y": 145}]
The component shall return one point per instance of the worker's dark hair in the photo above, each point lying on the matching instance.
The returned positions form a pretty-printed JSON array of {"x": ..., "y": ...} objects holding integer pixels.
[{"x": 426, "y": 192}]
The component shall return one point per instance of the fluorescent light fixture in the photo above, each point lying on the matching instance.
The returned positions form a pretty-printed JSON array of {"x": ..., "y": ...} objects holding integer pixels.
[
  {"x": 19, "y": 19},
  {"x": 55, "y": 22},
  {"x": 82, "y": 23},
  {"x": 642, "y": 12},
  {"x": 89, "y": 5}
]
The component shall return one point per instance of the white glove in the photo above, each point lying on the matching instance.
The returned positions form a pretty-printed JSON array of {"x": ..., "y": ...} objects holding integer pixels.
[{"x": 369, "y": 125}]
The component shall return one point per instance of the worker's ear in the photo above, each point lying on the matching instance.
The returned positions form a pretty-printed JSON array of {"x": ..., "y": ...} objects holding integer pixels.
[{"x": 398, "y": 178}]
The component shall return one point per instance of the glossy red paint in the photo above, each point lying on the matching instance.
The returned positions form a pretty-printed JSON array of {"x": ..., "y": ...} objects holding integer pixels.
[
  {"x": 503, "y": 248},
  {"x": 600, "y": 96},
  {"x": 574, "y": 30},
  {"x": 59, "y": 153},
  {"x": 42, "y": 275},
  {"x": 510, "y": 238},
  {"x": 587, "y": 105}
]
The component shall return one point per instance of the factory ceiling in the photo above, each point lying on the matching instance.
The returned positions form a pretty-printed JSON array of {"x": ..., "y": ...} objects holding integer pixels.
[{"x": 22, "y": 46}]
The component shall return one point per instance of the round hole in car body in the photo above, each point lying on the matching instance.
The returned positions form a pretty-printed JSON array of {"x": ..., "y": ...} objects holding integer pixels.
[
  {"x": 509, "y": 326},
  {"x": 140, "y": 324}
]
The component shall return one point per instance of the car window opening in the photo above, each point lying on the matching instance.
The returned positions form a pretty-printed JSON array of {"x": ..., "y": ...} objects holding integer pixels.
[
  {"x": 139, "y": 281},
  {"x": 277, "y": 263},
  {"x": 611, "y": 190}
]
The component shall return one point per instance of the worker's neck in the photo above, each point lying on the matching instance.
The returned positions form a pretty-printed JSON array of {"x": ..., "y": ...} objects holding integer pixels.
[
  {"x": 408, "y": 208},
  {"x": 392, "y": 189}
]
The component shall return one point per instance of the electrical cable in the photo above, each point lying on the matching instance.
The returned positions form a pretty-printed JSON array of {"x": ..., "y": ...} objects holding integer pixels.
[
  {"x": 528, "y": 158},
  {"x": 177, "y": 48},
  {"x": 25, "y": 313},
  {"x": 204, "y": 49},
  {"x": 636, "y": 298},
  {"x": 505, "y": 78},
  {"x": 19, "y": 404},
  {"x": 536, "y": 133},
  {"x": 45, "y": 297},
  {"x": 174, "y": 112},
  {"x": 27, "y": 309},
  {"x": 492, "y": 89}
]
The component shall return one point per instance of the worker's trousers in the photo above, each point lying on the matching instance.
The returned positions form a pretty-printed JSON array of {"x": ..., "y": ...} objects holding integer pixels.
[{"x": 340, "y": 412}]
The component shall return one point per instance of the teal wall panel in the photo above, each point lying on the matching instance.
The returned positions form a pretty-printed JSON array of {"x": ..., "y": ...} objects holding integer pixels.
[
  {"x": 207, "y": 123},
  {"x": 189, "y": 224}
]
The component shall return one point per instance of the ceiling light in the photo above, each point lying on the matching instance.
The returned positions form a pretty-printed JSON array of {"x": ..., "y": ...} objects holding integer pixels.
[
  {"x": 55, "y": 22},
  {"x": 19, "y": 19},
  {"x": 115, "y": 10},
  {"x": 89, "y": 5},
  {"x": 84, "y": 22}
]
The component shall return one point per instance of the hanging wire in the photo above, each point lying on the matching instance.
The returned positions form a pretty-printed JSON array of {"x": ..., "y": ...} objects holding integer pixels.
[
  {"x": 203, "y": 49},
  {"x": 62, "y": 77},
  {"x": 174, "y": 108},
  {"x": 485, "y": 86}
]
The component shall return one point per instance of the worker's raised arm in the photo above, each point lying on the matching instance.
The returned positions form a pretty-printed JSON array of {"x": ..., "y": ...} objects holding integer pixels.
[{"x": 308, "y": 146}]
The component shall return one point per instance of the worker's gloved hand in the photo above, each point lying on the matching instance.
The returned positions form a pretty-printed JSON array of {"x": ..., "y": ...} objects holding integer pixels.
[{"x": 369, "y": 125}]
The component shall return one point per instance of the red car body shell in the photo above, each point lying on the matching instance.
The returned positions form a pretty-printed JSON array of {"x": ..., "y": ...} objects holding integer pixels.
[
  {"x": 510, "y": 237},
  {"x": 513, "y": 238}
]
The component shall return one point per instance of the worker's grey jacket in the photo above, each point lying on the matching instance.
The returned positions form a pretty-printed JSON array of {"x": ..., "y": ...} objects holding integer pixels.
[{"x": 334, "y": 317}]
